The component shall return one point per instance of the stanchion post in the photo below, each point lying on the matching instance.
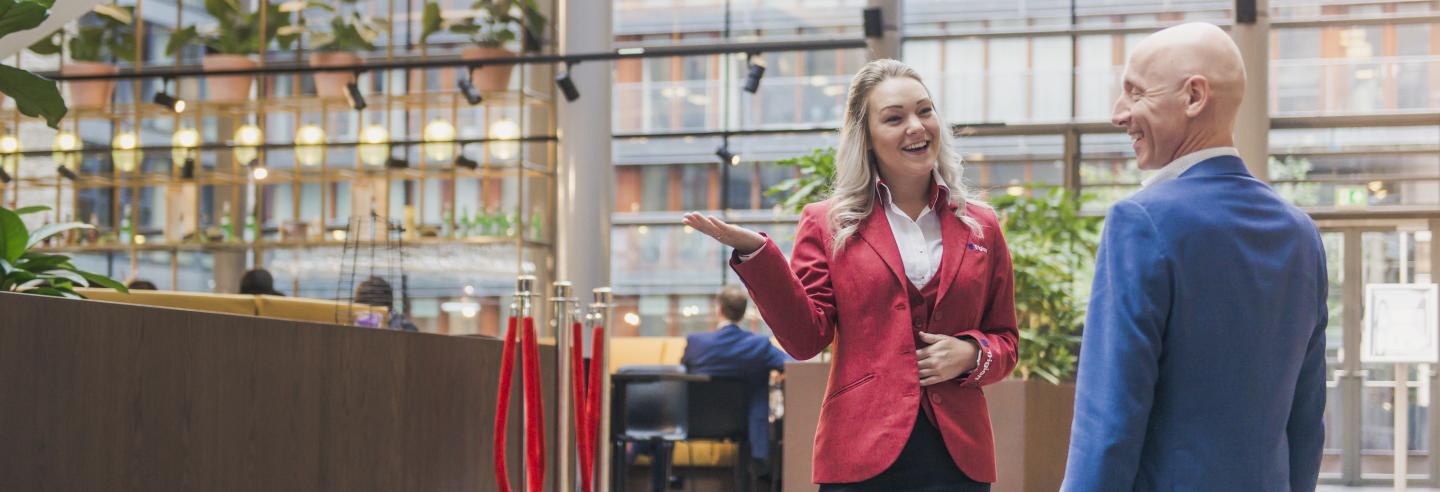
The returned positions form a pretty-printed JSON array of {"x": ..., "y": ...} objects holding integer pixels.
[
  {"x": 562, "y": 302},
  {"x": 603, "y": 309}
]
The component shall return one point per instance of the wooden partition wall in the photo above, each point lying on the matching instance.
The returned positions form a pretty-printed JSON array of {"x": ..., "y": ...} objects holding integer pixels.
[{"x": 103, "y": 396}]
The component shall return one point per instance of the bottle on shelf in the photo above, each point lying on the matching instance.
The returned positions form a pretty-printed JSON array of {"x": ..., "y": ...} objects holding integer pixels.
[
  {"x": 226, "y": 231},
  {"x": 68, "y": 239},
  {"x": 126, "y": 230},
  {"x": 93, "y": 235},
  {"x": 537, "y": 225},
  {"x": 447, "y": 223},
  {"x": 464, "y": 224}
]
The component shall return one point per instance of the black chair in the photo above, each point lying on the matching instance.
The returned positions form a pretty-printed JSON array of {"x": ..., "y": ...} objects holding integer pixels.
[
  {"x": 719, "y": 411},
  {"x": 649, "y": 411}
]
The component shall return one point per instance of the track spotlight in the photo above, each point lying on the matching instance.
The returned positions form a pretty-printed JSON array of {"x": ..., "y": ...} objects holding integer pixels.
[
  {"x": 874, "y": 23},
  {"x": 472, "y": 95},
  {"x": 258, "y": 171},
  {"x": 397, "y": 163},
  {"x": 167, "y": 101},
  {"x": 4, "y": 176},
  {"x": 67, "y": 173},
  {"x": 566, "y": 85},
  {"x": 726, "y": 156},
  {"x": 757, "y": 71},
  {"x": 354, "y": 97},
  {"x": 187, "y": 170},
  {"x": 465, "y": 162}
]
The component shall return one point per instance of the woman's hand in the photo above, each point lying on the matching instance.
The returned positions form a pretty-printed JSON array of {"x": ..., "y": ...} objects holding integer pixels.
[
  {"x": 745, "y": 241},
  {"x": 946, "y": 358}
]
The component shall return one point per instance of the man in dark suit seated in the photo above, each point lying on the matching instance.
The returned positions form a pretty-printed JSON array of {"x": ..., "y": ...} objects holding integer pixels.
[{"x": 732, "y": 351}]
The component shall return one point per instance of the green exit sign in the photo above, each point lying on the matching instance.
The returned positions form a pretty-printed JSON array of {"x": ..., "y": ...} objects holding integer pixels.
[{"x": 1351, "y": 196}]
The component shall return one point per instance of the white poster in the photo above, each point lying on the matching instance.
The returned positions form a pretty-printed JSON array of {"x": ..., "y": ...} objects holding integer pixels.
[{"x": 1400, "y": 324}]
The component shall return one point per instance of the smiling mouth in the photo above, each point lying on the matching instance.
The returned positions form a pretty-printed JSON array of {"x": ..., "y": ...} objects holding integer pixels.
[
  {"x": 917, "y": 147},
  {"x": 1135, "y": 139}
]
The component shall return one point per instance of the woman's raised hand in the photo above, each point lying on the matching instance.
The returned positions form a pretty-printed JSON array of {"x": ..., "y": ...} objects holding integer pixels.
[{"x": 745, "y": 241}]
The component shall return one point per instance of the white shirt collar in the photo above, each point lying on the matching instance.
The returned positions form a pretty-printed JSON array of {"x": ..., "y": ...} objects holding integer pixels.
[
  {"x": 1178, "y": 166},
  {"x": 889, "y": 203}
]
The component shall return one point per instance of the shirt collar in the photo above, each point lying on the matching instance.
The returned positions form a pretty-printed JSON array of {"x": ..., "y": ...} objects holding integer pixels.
[
  {"x": 1178, "y": 166},
  {"x": 938, "y": 191}
]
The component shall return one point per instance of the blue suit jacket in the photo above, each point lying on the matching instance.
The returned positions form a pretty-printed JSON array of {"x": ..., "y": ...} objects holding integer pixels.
[
  {"x": 731, "y": 351},
  {"x": 1203, "y": 360}
]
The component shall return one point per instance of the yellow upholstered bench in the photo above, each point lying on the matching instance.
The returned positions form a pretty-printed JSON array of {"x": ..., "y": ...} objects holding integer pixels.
[
  {"x": 625, "y": 351},
  {"x": 317, "y": 310},
  {"x": 199, "y": 301}
]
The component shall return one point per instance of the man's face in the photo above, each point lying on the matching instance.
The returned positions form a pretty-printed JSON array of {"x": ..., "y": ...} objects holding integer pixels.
[{"x": 1151, "y": 108}]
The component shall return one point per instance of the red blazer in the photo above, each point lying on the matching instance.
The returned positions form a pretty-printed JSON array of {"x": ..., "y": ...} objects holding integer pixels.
[{"x": 859, "y": 297}]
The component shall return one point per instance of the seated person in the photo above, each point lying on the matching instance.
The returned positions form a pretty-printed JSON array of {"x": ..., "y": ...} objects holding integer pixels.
[
  {"x": 258, "y": 282},
  {"x": 375, "y": 291},
  {"x": 732, "y": 351},
  {"x": 140, "y": 284}
]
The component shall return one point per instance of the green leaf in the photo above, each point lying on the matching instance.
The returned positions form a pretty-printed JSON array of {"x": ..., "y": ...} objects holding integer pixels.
[
  {"x": 69, "y": 275},
  {"x": 22, "y": 15},
  {"x": 53, "y": 229},
  {"x": 116, "y": 13},
  {"x": 103, "y": 281},
  {"x": 34, "y": 95},
  {"x": 31, "y": 209},
  {"x": 37, "y": 262},
  {"x": 48, "y": 45},
  {"x": 179, "y": 39},
  {"x": 430, "y": 21},
  {"x": 13, "y": 235}
]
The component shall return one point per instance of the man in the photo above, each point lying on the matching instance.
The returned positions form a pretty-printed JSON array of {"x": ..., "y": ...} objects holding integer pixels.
[
  {"x": 730, "y": 350},
  {"x": 1203, "y": 360}
]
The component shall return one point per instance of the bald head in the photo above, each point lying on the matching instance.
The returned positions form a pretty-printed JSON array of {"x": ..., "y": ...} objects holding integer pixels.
[{"x": 1182, "y": 90}]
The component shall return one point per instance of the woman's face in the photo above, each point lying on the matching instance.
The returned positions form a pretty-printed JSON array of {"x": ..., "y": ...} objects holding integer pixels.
[{"x": 903, "y": 128}]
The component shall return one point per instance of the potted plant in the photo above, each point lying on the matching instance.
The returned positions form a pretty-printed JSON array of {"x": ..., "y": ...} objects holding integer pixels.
[
  {"x": 31, "y": 272},
  {"x": 231, "y": 42},
  {"x": 93, "y": 48},
  {"x": 349, "y": 32},
  {"x": 493, "y": 25},
  {"x": 34, "y": 95}
]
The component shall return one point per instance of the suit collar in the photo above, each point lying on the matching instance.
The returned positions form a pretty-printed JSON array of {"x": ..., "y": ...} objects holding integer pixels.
[
  {"x": 1180, "y": 165},
  {"x": 1216, "y": 166}
]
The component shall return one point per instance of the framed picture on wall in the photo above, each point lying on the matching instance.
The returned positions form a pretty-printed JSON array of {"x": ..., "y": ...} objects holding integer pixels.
[{"x": 1400, "y": 324}]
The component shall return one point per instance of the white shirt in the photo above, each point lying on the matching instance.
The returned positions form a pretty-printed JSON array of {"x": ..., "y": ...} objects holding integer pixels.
[
  {"x": 918, "y": 240},
  {"x": 1178, "y": 166}
]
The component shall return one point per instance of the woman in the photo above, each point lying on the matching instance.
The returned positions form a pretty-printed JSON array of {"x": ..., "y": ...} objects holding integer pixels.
[{"x": 912, "y": 276}]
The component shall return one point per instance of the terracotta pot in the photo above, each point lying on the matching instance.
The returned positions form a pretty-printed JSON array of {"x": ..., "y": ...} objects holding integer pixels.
[
  {"x": 229, "y": 88},
  {"x": 489, "y": 78},
  {"x": 90, "y": 93},
  {"x": 332, "y": 84}
]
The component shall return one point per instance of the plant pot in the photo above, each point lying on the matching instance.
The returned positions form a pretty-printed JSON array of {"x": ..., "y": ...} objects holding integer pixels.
[
  {"x": 489, "y": 78},
  {"x": 90, "y": 93},
  {"x": 228, "y": 88},
  {"x": 332, "y": 84}
]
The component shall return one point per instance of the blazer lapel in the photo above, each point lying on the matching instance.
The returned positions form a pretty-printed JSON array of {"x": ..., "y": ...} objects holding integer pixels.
[
  {"x": 875, "y": 231},
  {"x": 956, "y": 238}
]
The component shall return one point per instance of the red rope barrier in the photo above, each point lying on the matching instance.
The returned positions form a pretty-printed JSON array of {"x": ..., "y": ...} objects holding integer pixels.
[
  {"x": 592, "y": 400},
  {"x": 502, "y": 406},
  {"x": 534, "y": 410},
  {"x": 583, "y": 439}
]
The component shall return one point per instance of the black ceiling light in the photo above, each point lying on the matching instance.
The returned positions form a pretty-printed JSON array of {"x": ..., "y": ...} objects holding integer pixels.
[
  {"x": 874, "y": 23},
  {"x": 726, "y": 156},
  {"x": 353, "y": 95},
  {"x": 467, "y": 87},
  {"x": 566, "y": 85},
  {"x": 168, "y": 101},
  {"x": 396, "y": 163},
  {"x": 4, "y": 176},
  {"x": 187, "y": 171},
  {"x": 757, "y": 71},
  {"x": 461, "y": 161},
  {"x": 67, "y": 173}
]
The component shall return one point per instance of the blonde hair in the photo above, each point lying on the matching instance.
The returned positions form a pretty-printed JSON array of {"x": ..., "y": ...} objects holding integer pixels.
[{"x": 856, "y": 168}]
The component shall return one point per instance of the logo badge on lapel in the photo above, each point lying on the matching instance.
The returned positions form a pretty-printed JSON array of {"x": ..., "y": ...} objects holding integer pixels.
[{"x": 976, "y": 247}]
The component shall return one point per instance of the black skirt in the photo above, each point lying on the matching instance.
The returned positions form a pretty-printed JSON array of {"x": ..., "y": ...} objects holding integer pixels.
[{"x": 924, "y": 465}]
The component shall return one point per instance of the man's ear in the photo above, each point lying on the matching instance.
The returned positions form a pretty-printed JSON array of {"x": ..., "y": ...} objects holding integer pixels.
[{"x": 1197, "y": 95}]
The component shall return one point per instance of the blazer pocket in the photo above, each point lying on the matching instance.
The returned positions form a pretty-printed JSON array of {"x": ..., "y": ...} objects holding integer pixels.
[{"x": 849, "y": 386}]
